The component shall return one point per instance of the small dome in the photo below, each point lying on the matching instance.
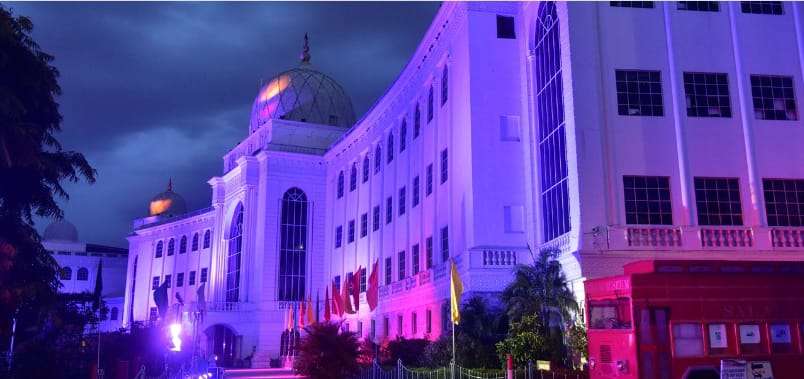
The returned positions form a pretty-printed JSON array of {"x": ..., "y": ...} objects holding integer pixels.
[
  {"x": 167, "y": 203},
  {"x": 302, "y": 94},
  {"x": 61, "y": 230}
]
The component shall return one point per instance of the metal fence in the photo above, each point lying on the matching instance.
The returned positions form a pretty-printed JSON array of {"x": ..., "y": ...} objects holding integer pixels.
[{"x": 375, "y": 371}]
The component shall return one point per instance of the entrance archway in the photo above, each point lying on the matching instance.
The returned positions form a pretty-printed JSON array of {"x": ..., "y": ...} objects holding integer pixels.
[{"x": 224, "y": 343}]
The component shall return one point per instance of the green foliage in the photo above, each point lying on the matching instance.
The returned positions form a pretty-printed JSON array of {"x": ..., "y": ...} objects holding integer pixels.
[
  {"x": 525, "y": 342},
  {"x": 577, "y": 344},
  {"x": 327, "y": 352},
  {"x": 409, "y": 351}
]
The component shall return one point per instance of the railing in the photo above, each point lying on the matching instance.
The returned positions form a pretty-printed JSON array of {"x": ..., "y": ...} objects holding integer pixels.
[
  {"x": 726, "y": 237},
  {"x": 787, "y": 238},
  {"x": 375, "y": 371},
  {"x": 493, "y": 257},
  {"x": 653, "y": 237},
  {"x": 228, "y": 306},
  {"x": 705, "y": 237}
]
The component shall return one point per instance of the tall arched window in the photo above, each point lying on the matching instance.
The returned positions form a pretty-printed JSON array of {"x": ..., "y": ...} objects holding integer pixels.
[
  {"x": 194, "y": 246},
  {"x": 183, "y": 245},
  {"x": 83, "y": 274},
  {"x": 340, "y": 185},
  {"x": 377, "y": 158},
  {"x": 171, "y": 247},
  {"x": 66, "y": 273},
  {"x": 353, "y": 177},
  {"x": 390, "y": 147},
  {"x": 206, "y": 239},
  {"x": 293, "y": 245},
  {"x": 403, "y": 135},
  {"x": 159, "y": 247},
  {"x": 550, "y": 115},
  {"x": 235, "y": 251},
  {"x": 365, "y": 168}
]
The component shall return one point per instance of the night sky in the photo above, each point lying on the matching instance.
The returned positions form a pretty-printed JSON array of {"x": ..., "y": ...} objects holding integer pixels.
[{"x": 158, "y": 90}]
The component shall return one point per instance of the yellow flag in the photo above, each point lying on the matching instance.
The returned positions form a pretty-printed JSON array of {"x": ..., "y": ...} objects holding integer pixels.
[{"x": 455, "y": 291}]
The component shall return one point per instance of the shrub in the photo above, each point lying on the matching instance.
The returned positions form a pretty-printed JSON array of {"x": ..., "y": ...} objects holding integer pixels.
[
  {"x": 327, "y": 352},
  {"x": 410, "y": 351}
]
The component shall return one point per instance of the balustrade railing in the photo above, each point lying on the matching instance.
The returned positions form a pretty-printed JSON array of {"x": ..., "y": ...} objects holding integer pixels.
[
  {"x": 652, "y": 237},
  {"x": 726, "y": 237},
  {"x": 400, "y": 371},
  {"x": 705, "y": 237},
  {"x": 493, "y": 257},
  {"x": 787, "y": 238}
]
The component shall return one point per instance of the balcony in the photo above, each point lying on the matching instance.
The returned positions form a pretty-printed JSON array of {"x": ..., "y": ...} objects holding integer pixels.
[{"x": 703, "y": 237}]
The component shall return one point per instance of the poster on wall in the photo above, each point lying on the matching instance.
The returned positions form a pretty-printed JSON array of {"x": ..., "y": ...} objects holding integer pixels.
[
  {"x": 780, "y": 333},
  {"x": 733, "y": 369},
  {"x": 717, "y": 336},
  {"x": 749, "y": 333}
]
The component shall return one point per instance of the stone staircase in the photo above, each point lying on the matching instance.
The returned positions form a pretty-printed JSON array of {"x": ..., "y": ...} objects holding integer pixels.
[{"x": 260, "y": 373}]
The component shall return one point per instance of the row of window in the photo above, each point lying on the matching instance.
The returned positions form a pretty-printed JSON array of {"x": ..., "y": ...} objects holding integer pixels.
[
  {"x": 389, "y": 204},
  {"x": 180, "y": 279},
  {"x": 66, "y": 273},
  {"x": 639, "y": 93},
  {"x": 754, "y": 7},
  {"x": 171, "y": 245},
  {"x": 403, "y": 139},
  {"x": 415, "y": 258},
  {"x": 698, "y": 340},
  {"x": 647, "y": 201}
]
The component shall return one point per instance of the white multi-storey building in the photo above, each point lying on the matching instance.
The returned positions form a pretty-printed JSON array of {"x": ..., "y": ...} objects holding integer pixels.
[{"x": 615, "y": 131}]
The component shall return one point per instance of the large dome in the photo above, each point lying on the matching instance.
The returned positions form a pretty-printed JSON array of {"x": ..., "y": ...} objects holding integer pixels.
[
  {"x": 167, "y": 203},
  {"x": 61, "y": 230},
  {"x": 302, "y": 94}
]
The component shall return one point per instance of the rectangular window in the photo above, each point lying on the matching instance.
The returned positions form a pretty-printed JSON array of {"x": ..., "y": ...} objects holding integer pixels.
[
  {"x": 773, "y": 97},
  {"x": 639, "y": 93},
  {"x": 203, "y": 275},
  {"x": 373, "y": 330},
  {"x": 192, "y": 278},
  {"x": 417, "y": 123},
  {"x": 444, "y": 166},
  {"x": 168, "y": 280},
  {"x": 389, "y": 210},
  {"x": 338, "y": 236},
  {"x": 781, "y": 339},
  {"x": 707, "y": 94},
  {"x": 351, "y": 231},
  {"x": 413, "y": 322},
  {"x": 414, "y": 259},
  {"x": 363, "y": 225},
  {"x": 718, "y": 201},
  {"x": 505, "y": 27},
  {"x": 337, "y": 281},
  {"x": 428, "y": 322},
  {"x": 348, "y": 283},
  {"x": 444, "y": 244},
  {"x": 762, "y": 7},
  {"x": 402, "y": 201},
  {"x": 784, "y": 201},
  {"x": 428, "y": 251},
  {"x": 428, "y": 186},
  {"x": 751, "y": 339},
  {"x": 376, "y": 218},
  {"x": 632, "y": 4},
  {"x": 401, "y": 265},
  {"x": 403, "y": 137},
  {"x": 430, "y": 105},
  {"x": 388, "y": 270},
  {"x": 180, "y": 279},
  {"x": 687, "y": 340},
  {"x": 415, "y": 195},
  {"x": 386, "y": 326},
  {"x": 155, "y": 283},
  {"x": 399, "y": 323},
  {"x": 647, "y": 200},
  {"x": 445, "y": 85},
  {"x": 700, "y": 6},
  {"x": 362, "y": 280}
]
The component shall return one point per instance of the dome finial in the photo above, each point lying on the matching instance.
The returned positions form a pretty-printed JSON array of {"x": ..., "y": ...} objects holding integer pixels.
[{"x": 305, "y": 57}]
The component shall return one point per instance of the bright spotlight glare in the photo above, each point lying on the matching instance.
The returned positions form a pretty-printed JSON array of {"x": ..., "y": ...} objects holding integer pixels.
[{"x": 175, "y": 337}]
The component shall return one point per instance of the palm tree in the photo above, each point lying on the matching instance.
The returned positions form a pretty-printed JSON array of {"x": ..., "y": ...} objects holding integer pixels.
[
  {"x": 540, "y": 289},
  {"x": 481, "y": 327}
]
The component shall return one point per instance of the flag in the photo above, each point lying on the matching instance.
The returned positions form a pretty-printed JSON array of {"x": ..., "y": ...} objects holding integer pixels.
[
  {"x": 200, "y": 302},
  {"x": 337, "y": 301},
  {"x": 327, "y": 310},
  {"x": 96, "y": 294},
  {"x": 356, "y": 287},
  {"x": 373, "y": 287},
  {"x": 301, "y": 314},
  {"x": 455, "y": 291},
  {"x": 317, "y": 304},
  {"x": 309, "y": 310},
  {"x": 290, "y": 317},
  {"x": 347, "y": 303},
  {"x": 161, "y": 299}
]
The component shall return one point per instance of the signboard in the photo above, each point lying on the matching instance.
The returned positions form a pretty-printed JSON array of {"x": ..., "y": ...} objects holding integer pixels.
[
  {"x": 736, "y": 369},
  {"x": 543, "y": 365},
  {"x": 717, "y": 336},
  {"x": 760, "y": 370}
]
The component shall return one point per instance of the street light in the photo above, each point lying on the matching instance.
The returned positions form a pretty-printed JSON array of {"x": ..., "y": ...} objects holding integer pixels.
[{"x": 175, "y": 336}]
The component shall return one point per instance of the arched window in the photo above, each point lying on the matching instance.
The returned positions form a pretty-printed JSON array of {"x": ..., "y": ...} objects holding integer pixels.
[
  {"x": 377, "y": 158},
  {"x": 417, "y": 121},
  {"x": 403, "y": 135},
  {"x": 353, "y": 177},
  {"x": 550, "y": 116},
  {"x": 194, "y": 246},
  {"x": 293, "y": 246},
  {"x": 390, "y": 147},
  {"x": 183, "y": 245},
  {"x": 66, "y": 273},
  {"x": 233, "y": 260},
  {"x": 365, "y": 168},
  {"x": 159, "y": 247},
  {"x": 340, "y": 185},
  {"x": 430, "y": 105},
  {"x": 206, "y": 239},
  {"x": 171, "y": 247},
  {"x": 113, "y": 314},
  {"x": 83, "y": 274},
  {"x": 444, "y": 85}
]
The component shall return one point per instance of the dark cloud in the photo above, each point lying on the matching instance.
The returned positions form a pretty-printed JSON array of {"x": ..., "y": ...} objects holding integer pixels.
[{"x": 159, "y": 90}]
